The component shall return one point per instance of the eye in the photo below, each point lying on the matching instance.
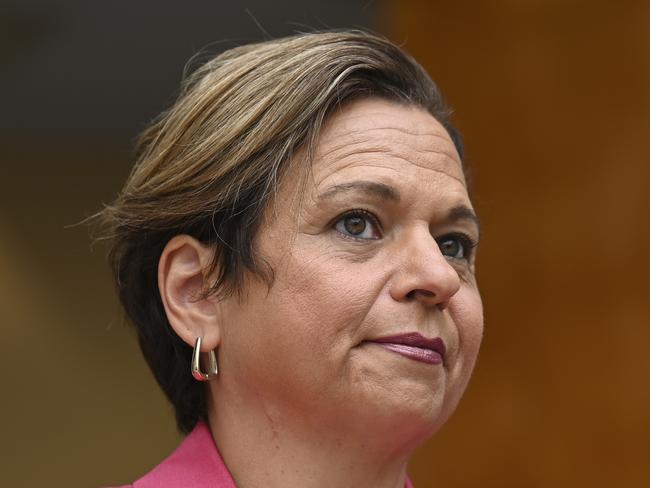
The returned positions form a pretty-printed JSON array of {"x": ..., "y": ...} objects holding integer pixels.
[
  {"x": 358, "y": 224},
  {"x": 456, "y": 246}
]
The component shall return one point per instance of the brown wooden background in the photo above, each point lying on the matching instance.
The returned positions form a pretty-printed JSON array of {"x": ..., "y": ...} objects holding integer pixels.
[{"x": 553, "y": 98}]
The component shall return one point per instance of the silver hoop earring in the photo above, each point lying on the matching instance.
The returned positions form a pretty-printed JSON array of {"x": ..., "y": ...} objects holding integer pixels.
[{"x": 196, "y": 366}]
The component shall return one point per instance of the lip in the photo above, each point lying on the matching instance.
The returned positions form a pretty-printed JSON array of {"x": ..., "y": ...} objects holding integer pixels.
[{"x": 414, "y": 346}]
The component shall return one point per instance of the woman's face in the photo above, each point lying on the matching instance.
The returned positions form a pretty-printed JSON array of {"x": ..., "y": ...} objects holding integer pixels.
[{"x": 378, "y": 255}]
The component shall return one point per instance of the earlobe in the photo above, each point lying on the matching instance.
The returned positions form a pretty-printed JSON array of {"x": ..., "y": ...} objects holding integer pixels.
[{"x": 182, "y": 280}]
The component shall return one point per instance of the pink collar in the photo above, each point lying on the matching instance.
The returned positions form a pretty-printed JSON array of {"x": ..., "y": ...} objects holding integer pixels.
[{"x": 196, "y": 462}]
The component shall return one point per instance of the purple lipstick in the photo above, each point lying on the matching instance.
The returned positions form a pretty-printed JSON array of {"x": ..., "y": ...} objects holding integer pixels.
[{"x": 415, "y": 346}]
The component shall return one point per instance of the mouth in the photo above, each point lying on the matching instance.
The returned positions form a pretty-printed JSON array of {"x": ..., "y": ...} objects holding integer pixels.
[{"x": 414, "y": 346}]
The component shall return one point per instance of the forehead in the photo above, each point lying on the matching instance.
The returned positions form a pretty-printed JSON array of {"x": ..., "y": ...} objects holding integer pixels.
[{"x": 382, "y": 137}]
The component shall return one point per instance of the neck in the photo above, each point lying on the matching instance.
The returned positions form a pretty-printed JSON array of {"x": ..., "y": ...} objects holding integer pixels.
[{"x": 264, "y": 448}]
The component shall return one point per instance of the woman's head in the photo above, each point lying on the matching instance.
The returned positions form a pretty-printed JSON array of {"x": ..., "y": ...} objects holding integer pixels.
[{"x": 241, "y": 223}]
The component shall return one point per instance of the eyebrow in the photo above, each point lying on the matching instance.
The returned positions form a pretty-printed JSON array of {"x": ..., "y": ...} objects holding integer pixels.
[
  {"x": 371, "y": 188},
  {"x": 462, "y": 212},
  {"x": 386, "y": 192}
]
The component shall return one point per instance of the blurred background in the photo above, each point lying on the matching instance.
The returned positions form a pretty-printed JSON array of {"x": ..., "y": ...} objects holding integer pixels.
[{"x": 553, "y": 99}]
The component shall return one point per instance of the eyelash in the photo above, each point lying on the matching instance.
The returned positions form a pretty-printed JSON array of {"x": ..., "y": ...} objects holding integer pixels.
[
  {"x": 358, "y": 213},
  {"x": 465, "y": 240}
]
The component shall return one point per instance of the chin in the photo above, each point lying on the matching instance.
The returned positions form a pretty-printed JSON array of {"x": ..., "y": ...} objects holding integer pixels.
[{"x": 409, "y": 418}]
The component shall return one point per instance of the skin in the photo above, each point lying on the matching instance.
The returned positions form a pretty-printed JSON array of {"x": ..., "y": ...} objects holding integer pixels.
[{"x": 303, "y": 397}]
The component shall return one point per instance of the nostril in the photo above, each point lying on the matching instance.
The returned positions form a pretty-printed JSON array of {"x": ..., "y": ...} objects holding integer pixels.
[{"x": 423, "y": 293}]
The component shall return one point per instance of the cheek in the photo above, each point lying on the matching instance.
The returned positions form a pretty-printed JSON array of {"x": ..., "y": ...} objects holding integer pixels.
[
  {"x": 312, "y": 311},
  {"x": 331, "y": 298},
  {"x": 292, "y": 340}
]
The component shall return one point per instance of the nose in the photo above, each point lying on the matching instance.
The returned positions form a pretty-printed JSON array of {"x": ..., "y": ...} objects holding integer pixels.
[{"x": 423, "y": 273}]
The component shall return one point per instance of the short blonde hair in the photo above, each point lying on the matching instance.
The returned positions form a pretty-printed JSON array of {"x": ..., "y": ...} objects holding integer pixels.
[{"x": 207, "y": 166}]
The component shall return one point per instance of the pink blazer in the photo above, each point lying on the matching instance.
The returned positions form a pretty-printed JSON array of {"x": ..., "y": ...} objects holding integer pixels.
[{"x": 196, "y": 463}]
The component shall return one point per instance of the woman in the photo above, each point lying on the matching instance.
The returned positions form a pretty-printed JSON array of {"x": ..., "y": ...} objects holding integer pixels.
[{"x": 297, "y": 233}]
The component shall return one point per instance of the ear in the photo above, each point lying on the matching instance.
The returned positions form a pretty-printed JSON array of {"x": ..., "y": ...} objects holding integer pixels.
[{"x": 181, "y": 280}]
